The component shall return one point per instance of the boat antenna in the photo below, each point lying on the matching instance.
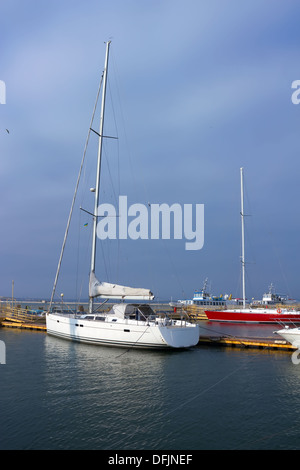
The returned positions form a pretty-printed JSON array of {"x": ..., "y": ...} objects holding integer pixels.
[
  {"x": 243, "y": 236},
  {"x": 97, "y": 187}
]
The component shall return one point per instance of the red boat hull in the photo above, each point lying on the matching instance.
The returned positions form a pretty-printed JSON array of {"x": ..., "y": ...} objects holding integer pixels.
[{"x": 252, "y": 317}]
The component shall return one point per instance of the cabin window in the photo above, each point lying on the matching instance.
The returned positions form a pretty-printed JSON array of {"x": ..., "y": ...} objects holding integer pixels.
[
  {"x": 100, "y": 318},
  {"x": 128, "y": 331}
]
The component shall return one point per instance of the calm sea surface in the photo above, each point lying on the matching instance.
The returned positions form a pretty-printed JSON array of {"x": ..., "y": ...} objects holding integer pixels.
[{"x": 56, "y": 394}]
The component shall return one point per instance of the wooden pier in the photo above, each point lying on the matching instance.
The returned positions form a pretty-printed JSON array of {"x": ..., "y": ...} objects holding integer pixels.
[
  {"x": 242, "y": 343},
  {"x": 209, "y": 341},
  {"x": 23, "y": 325},
  {"x": 18, "y": 318}
]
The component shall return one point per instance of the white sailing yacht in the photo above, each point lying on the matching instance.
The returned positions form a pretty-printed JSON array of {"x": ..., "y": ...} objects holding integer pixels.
[{"x": 126, "y": 325}]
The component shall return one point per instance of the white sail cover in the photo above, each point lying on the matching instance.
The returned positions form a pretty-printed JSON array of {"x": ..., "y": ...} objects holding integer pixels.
[{"x": 115, "y": 291}]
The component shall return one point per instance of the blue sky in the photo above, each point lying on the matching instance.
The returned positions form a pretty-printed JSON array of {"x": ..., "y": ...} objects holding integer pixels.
[{"x": 204, "y": 88}]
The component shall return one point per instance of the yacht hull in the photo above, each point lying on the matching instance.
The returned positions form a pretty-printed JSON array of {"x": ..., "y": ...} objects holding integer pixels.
[
  {"x": 122, "y": 333},
  {"x": 292, "y": 335}
]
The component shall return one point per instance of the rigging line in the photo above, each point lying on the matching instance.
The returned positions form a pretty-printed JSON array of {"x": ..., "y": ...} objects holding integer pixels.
[
  {"x": 106, "y": 257},
  {"x": 78, "y": 253},
  {"x": 246, "y": 232},
  {"x": 117, "y": 137},
  {"x": 85, "y": 257},
  {"x": 144, "y": 188},
  {"x": 132, "y": 346},
  {"x": 250, "y": 246},
  {"x": 123, "y": 122},
  {"x": 104, "y": 260},
  {"x": 118, "y": 173},
  {"x": 224, "y": 335},
  {"x": 74, "y": 197},
  {"x": 100, "y": 306},
  {"x": 113, "y": 110},
  {"x": 276, "y": 252},
  {"x": 174, "y": 268},
  {"x": 136, "y": 183},
  {"x": 107, "y": 159},
  {"x": 110, "y": 175},
  {"x": 117, "y": 133},
  {"x": 80, "y": 259}
]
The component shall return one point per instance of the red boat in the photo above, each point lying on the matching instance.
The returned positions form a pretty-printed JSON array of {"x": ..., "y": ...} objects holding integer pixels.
[
  {"x": 250, "y": 314},
  {"x": 254, "y": 315}
]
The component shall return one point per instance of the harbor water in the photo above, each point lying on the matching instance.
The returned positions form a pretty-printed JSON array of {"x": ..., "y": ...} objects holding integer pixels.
[{"x": 56, "y": 394}]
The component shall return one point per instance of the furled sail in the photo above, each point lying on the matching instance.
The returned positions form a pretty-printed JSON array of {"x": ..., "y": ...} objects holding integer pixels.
[{"x": 115, "y": 291}]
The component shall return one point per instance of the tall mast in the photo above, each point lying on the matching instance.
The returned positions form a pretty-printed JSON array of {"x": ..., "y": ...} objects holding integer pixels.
[
  {"x": 243, "y": 236},
  {"x": 97, "y": 188}
]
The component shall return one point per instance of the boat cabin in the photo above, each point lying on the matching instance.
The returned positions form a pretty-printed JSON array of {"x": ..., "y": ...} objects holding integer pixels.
[
  {"x": 132, "y": 311},
  {"x": 123, "y": 311}
]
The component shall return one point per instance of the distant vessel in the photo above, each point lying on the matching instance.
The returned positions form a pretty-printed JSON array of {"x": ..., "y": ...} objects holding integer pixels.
[
  {"x": 202, "y": 297},
  {"x": 127, "y": 325},
  {"x": 272, "y": 298},
  {"x": 252, "y": 315}
]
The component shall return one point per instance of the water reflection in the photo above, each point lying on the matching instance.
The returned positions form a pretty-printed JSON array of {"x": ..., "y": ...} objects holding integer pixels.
[
  {"x": 114, "y": 393},
  {"x": 57, "y": 394},
  {"x": 239, "y": 330},
  {"x": 110, "y": 398}
]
